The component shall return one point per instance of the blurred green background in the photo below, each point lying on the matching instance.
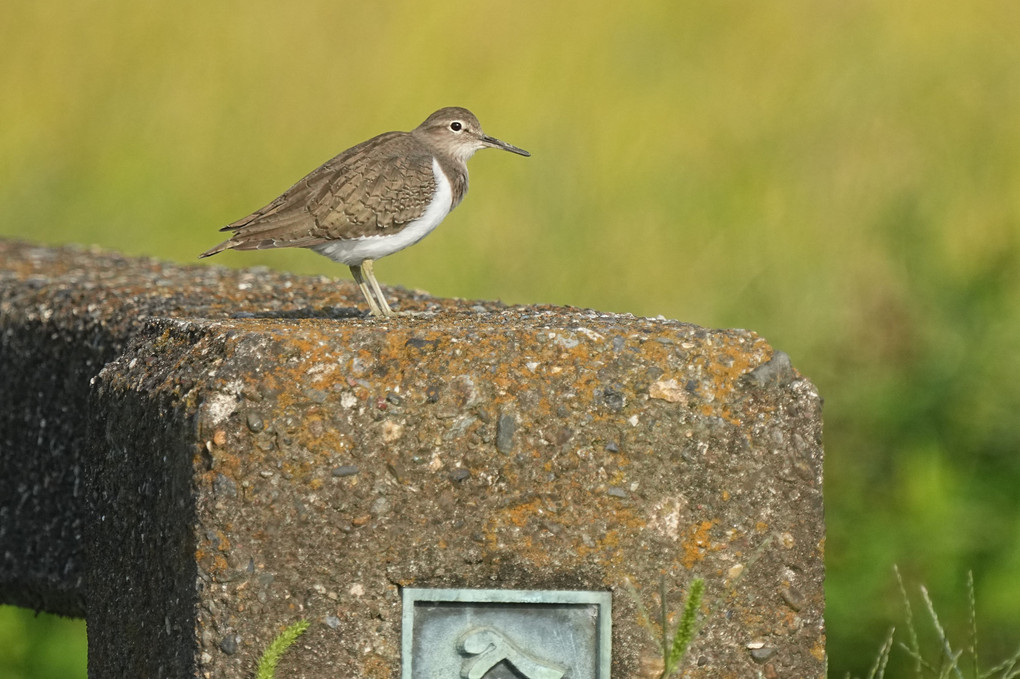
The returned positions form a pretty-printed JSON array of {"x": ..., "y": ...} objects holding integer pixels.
[{"x": 842, "y": 177}]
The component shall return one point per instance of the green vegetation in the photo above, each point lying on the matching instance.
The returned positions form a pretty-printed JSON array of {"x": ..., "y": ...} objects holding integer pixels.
[
  {"x": 944, "y": 662},
  {"x": 284, "y": 640},
  {"x": 673, "y": 646},
  {"x": 673, "y": 651},
  {"x": 34, "y": 647},
  {"x": 843, "y": 178}
]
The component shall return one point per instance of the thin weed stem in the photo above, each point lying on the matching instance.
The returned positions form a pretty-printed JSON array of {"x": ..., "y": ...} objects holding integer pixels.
[{"x": 915, "y": 647}]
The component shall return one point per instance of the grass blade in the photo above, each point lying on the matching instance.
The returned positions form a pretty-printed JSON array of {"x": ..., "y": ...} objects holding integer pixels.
[
  {"x": 915, "y": 647},
  {"x": 972, "y": 603},
  {"x": 946, "y": 648},
  {"x": 643, "y": 619},
  {"x": 271, "y": 657},
  {"x": 663, "y": 621},
  {"x": 686, "y": 629},
  {"x": 878, "y": 669}
]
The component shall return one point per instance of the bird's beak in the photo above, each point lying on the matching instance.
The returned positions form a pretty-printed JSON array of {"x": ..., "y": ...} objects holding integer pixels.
[{"x": 492, "y": 142}]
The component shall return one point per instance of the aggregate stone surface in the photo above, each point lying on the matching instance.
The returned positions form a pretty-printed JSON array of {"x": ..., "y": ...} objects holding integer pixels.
[{"x": 264, "y": 454}]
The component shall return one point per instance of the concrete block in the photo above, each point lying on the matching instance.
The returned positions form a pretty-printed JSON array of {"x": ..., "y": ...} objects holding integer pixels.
[{"x": 253, "y": 453}]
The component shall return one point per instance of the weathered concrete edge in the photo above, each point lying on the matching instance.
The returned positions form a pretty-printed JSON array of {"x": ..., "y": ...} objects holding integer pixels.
[{"x": 140, "y": 571}]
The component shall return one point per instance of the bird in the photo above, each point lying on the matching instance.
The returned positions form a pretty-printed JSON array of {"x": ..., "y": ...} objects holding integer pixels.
[{"x": 373, "y": 199}]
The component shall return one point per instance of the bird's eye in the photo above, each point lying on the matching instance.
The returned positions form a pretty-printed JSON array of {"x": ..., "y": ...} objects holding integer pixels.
[{"x": 456, "y": 126}]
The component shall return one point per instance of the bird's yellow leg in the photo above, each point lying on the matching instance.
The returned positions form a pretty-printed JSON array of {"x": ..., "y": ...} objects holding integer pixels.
[
  {"x": 373, "y": 307},
  {"x": 380, "y": 297}
]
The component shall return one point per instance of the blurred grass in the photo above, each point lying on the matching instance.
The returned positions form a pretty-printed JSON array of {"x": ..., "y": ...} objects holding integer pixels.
[
  {"x": 40, "y": 646},
  {"x": 841, "y": 177}
]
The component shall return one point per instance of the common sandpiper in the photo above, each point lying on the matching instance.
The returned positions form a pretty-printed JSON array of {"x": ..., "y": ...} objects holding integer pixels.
[{"x": 373, "y": 199}]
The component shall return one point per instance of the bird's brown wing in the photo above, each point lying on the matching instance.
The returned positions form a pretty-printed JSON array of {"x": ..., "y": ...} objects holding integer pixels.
[{"x": 374, "y": 188}]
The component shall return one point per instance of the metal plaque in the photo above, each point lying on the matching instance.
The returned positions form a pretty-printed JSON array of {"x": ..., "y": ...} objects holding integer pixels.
[{"x": 506, "y": 634}]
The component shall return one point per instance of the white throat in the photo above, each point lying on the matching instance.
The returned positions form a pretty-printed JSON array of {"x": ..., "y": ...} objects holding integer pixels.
[{"x": 354, "y": 251}]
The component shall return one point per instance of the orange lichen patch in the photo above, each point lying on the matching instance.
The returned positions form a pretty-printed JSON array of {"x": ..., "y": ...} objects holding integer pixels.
[
  {"x": 696, "y": 543},
  {"x": 375, "y": 667},
  {"x": 611, "y": 540},
  {"x": 583, "y": 550},
  {"x": 719, "y": 368},
  {"x": 226, "y": 462},
  {"x": 521, "y": 514},
  {"x": 212, "y": 563},
  {"x": 789, "y": 619},
  {"x": 761, "y": 526},
  {"x": 525, "y": 547},
  {"x": 737, "y": 360},
  {"x": 518, "y": 529},
  {"x": 219, "y": 542}
]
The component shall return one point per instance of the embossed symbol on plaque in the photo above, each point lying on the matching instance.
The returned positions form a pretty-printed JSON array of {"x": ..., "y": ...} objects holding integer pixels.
[
  {"x": 506, "y": 634},
  {"x": 490, "y": 648}
]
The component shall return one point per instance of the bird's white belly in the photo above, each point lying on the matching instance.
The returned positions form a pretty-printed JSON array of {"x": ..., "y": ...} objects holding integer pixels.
[{"x": 354, "y": 251}]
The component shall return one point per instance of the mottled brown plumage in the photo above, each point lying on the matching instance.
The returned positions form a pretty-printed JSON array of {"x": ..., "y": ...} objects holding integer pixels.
[{"x": 355, "y": 207}]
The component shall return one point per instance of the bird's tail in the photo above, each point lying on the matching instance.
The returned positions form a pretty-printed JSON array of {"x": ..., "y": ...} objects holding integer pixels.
[{"x": 225, "y": 245}]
